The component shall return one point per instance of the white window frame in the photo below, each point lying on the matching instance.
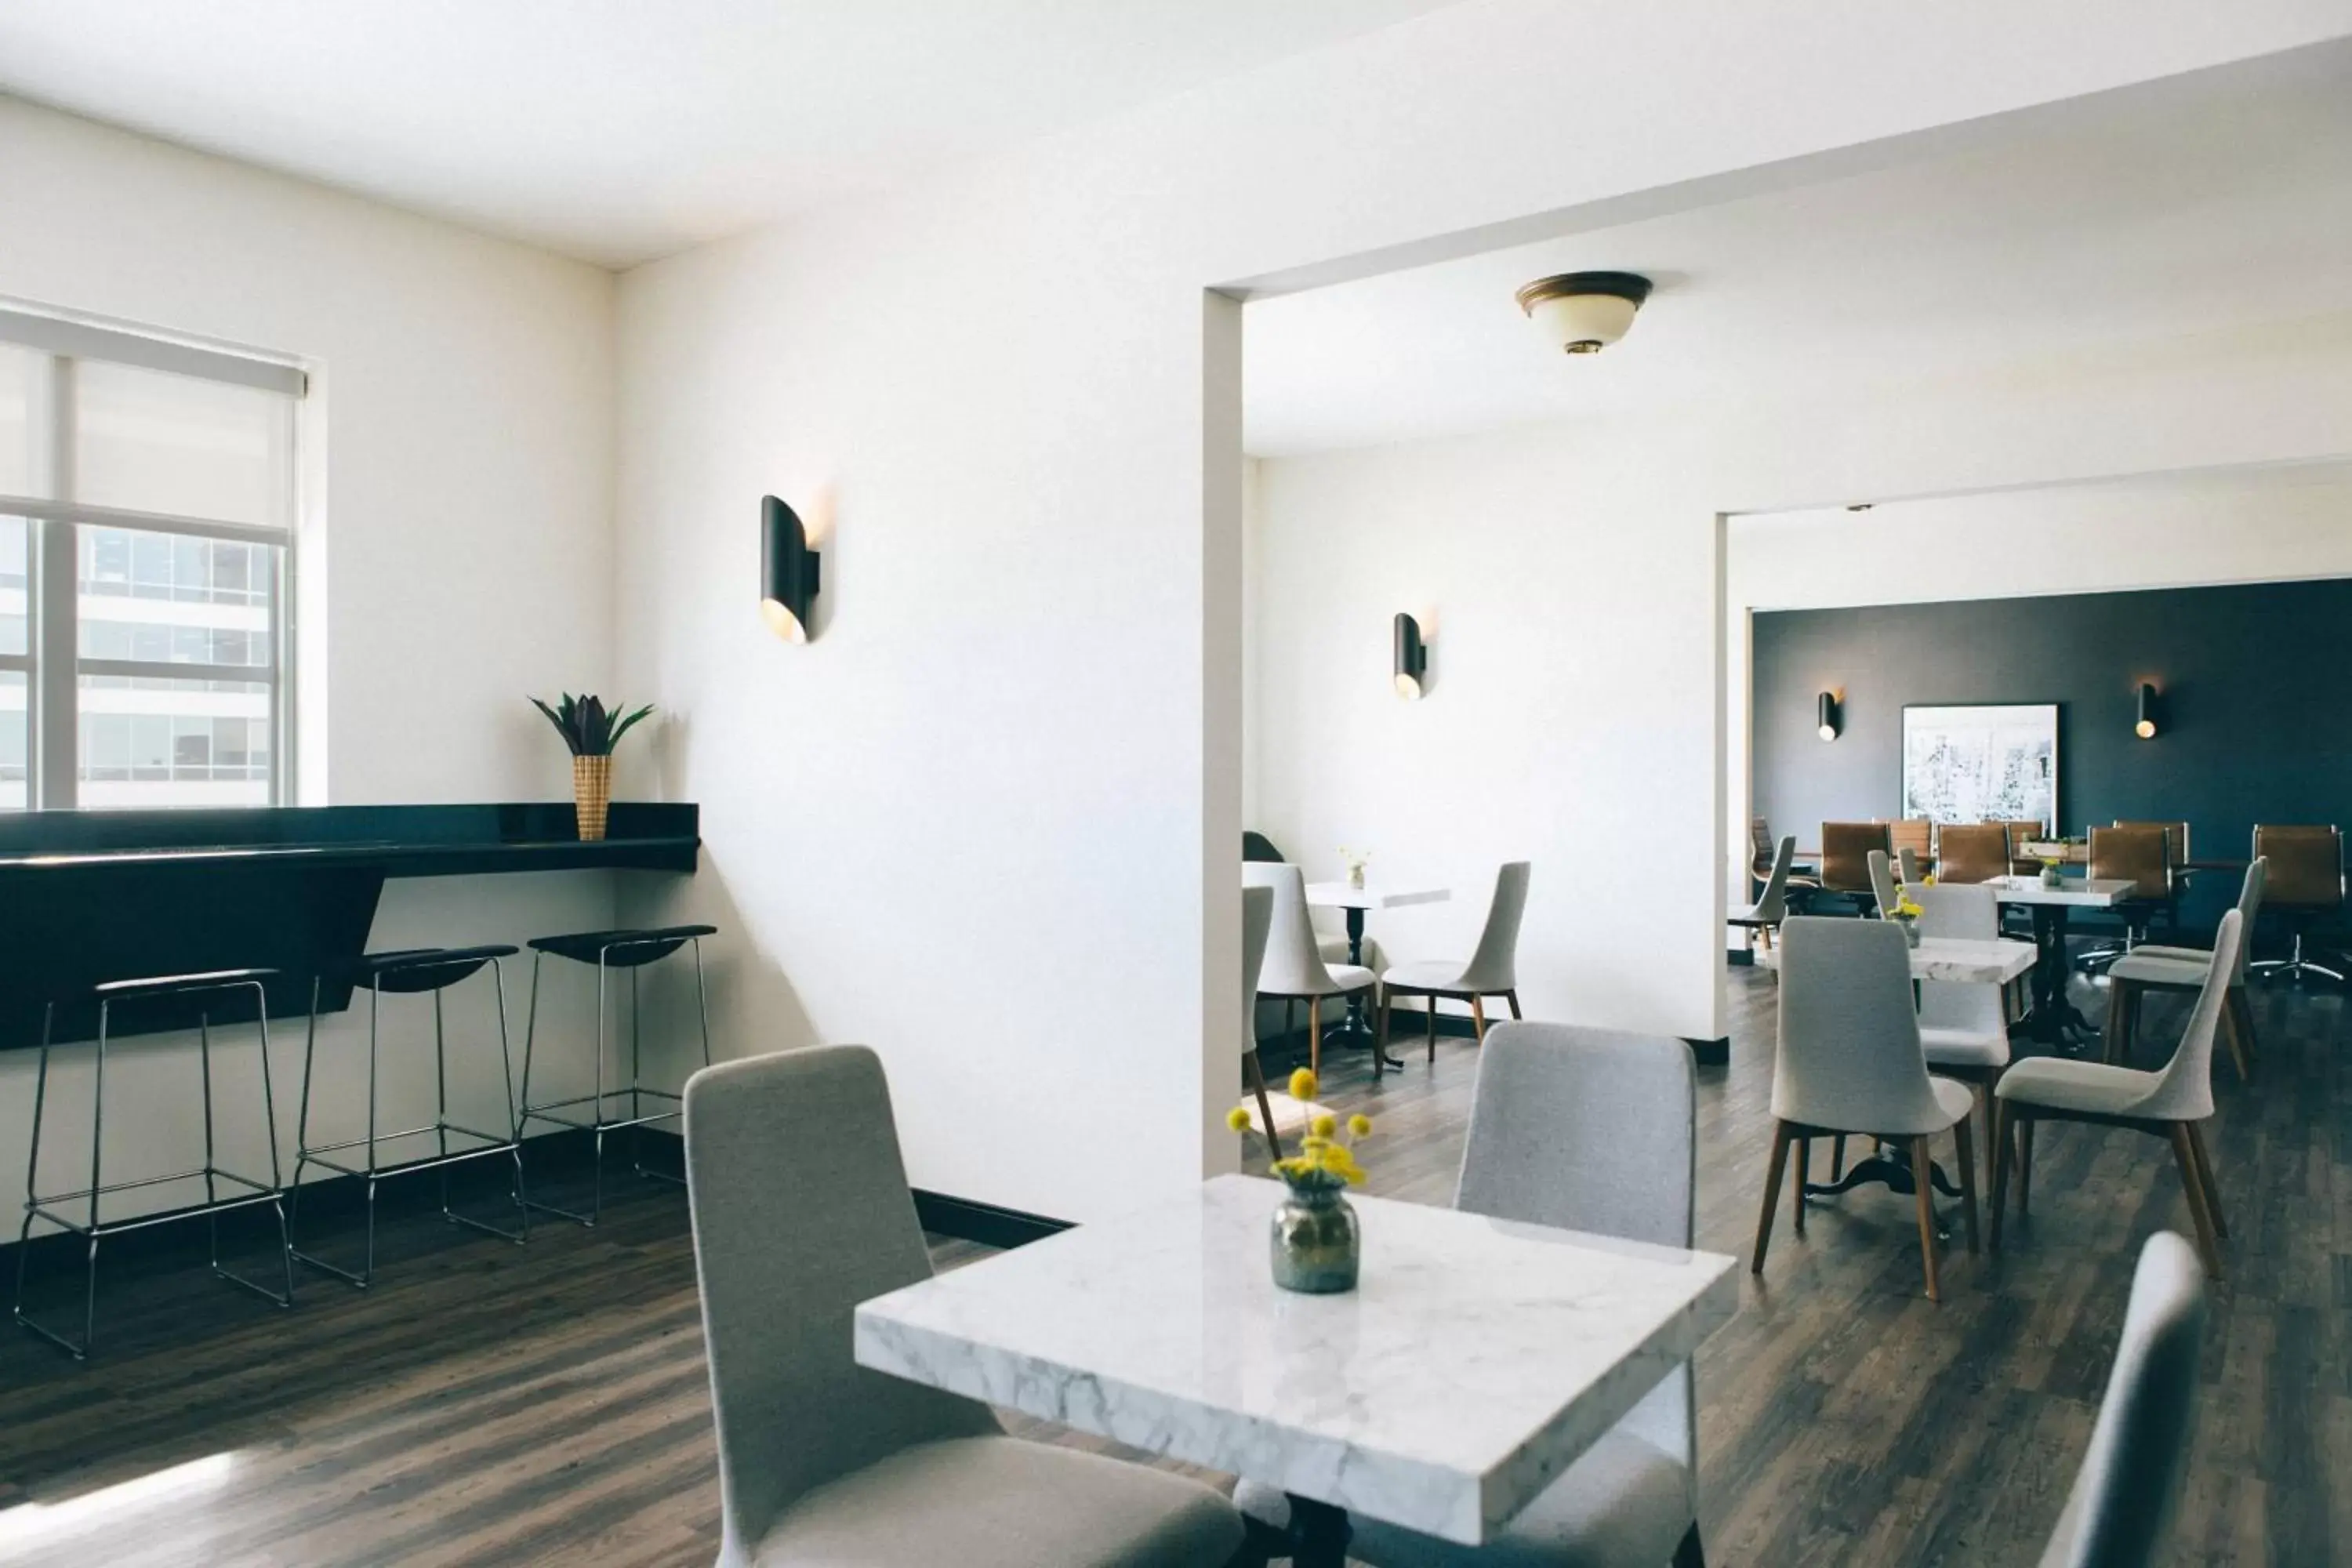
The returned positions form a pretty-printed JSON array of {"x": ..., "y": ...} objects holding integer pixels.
[{"x": 52, "y": 663}]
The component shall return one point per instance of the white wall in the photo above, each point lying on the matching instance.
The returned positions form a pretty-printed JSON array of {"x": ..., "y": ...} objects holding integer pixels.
[
  {"x": 967, "y": 823},
  {"x": 466, "y": 389},
  {"x": 2156, "y": 530},
  {"x": 1571, "y": 573}
]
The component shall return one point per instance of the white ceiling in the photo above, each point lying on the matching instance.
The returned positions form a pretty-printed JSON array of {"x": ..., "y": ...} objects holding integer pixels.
[
  {"x": 620, "y": 131},
  {"x": 2153, "y": 215}
]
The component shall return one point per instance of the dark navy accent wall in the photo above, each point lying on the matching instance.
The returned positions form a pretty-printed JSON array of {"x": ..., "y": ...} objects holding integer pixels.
[{"x": 2255, "y": 706}]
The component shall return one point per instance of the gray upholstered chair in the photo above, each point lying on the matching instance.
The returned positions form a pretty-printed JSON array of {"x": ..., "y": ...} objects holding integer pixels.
[
  {"x": 1492, "y": 970},
  {"x": 1883, "y": 891},
  {"x": 1907, "y": 866},
  {"x": 1585, "y": 1129},
  {"x": 1963, "y": 1027},
  {"x": 2155, "y": 967},
  {"x": 802, "y": 1210},
  {"x": 1295, "y": 968},
  {"x": 2120, "y": 1510},
  {"x": 1849, "y": 1060},
  {"x": 1257, "y": 917},
  {"x": 2173, "y": 1104},
  {"x": 1763, "y": 917}
]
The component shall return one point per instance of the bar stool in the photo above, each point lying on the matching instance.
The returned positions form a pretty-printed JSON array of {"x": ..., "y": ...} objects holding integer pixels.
[
  {"x": 207, "y": 987},
  {"x": 608, "y": 950},
  {"x": 412, "y": 971}
]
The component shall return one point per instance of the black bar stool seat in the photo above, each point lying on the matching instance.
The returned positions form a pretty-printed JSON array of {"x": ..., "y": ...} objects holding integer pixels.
[
  {"x": 608, "y": 1111},
  {"x": 210, "y": 989},
  {"x": 412, "y": 972}
]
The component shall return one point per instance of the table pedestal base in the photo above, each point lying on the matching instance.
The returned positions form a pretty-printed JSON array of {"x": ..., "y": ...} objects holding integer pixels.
[
  {"x": 1316, "y": 1537},
  {"x": 1891, "y": 1168},
  {"x": 1352, "y": 1030}
]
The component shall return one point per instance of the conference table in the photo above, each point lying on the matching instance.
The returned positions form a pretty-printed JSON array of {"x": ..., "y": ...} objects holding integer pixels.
[
  {"x": 1352, "y": 1030},
  {"x": 1476, "y": 1361}
]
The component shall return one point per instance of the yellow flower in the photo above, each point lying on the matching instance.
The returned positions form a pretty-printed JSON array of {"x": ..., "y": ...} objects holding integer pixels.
[
  {"x": 1302, "y": 1085},
  {"x": 1359, "y": 1126},
  {"x": 1324, "y": 1126},
  {"x": 1238, "y": 1118}
]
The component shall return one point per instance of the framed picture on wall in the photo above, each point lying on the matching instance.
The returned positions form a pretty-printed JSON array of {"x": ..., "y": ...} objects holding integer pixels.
[{"x": 1990, "y": 763}]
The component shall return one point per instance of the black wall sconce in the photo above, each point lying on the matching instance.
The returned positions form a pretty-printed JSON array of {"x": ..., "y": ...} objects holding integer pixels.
[
  {"x": 788, "y": 570},
  {"x": 2143, "y": 724},
  {"x": 1411, "y": 657},
  {"x": 1826, "y": 716}
]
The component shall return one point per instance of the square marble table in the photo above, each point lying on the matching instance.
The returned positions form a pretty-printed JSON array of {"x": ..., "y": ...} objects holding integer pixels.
[
  {"x": 1476, "y": 1360},
  {"x": 1953, "y": 959}
]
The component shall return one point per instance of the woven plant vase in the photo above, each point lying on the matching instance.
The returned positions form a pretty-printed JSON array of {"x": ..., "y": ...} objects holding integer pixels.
[{"x": 591, "y": 793}]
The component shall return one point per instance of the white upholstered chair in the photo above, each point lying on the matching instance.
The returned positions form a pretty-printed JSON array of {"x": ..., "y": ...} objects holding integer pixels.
[
  {"x": 1849, "y": 1060},
  {"x": 1491, "y": 970},
  {"x": 1585, "y": 1129},
  {"x": 1294, "y": 969},
  {"x": 2119, "y": 1511},
  {"x": 801, "y": 1211},
  {"x": 1257, "y": 918},
  {"x": 2173, "y": 1104},
  {"x": 2155, "y": 967},
  {"x": 1763, "y": 917}
]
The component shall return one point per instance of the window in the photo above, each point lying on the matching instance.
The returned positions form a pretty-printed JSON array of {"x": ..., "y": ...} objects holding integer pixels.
[{"x": 146, "y": 567}]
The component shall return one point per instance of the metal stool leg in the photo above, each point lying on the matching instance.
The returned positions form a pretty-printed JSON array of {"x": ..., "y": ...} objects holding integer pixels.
[
  {"x": 521, "y": 1232},
  {"x": 276, "y": 1190}
]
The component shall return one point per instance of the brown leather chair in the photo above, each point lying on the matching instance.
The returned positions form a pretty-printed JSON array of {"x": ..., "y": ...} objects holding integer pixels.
[
  {"x": 1972, "y": 852},
  {"x": 1916, "y": 834},
  {"x": 1845, "y": 858},
  {"x": 2021, "y": 834},
  {"x": 2306, "y": 886},
  {"x": 2141, "y": 856},
  {"x": 2176, "y": 845},
  {"x": 1762, "y": 849}
]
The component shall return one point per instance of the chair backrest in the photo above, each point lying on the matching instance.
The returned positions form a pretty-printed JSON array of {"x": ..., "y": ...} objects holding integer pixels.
[
  {"x": 2022, "y": 834},
  {"x": 1294, "y": 965},
  {"x": 2120, "y": 1510},
  {"x": 1845, "y": 853},
  {"x": 1590, "y": 1129},
  {"x": 1774, "y": 904},
  {"x": 1916, "y": 834},
  {"x": 2307, "y": 866},
  {"x": 801, "y": 1211},
  {"x": 1258, "y": 919},
  {"x": 1495, "y": 965},
  {"x": 2176, "y": 838},
  {"x": 1258, "y": 847},
  {"x": 1958, "y": 912},
  {"x": 1882, "y": 883},
  {"x": 2140, "y": 855},
  {"x": 2250, "y": 893},
  {"x": 1906, "y": 865},
  {"x": 1759, "y": 846},
  {"x": 1973, "y": 852},
  {"x": 2184, "y": 1090},
  {"x": 1848, "y": 1056}
]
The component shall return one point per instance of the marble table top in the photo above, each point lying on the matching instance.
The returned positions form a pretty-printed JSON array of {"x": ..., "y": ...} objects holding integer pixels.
[
  {"x": 2102, "y": 893},
  {"x": 1476, "y": 1359},
  {"x": 1341, "y": 896},
  {"x": 1952, "y": 959}
]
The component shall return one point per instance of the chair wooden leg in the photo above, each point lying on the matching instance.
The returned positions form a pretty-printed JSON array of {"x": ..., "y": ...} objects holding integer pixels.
[
  {"x": 2024, "y": 1164},
  {"x": 1920, "y": 1165},
  {"x": 1837, "y": 1157},
  {"x": 1513, "y": 999},
  {"x": 1380, "y": 1034},
  {"x": 1804, "y": 1176},
  {"x": 1315, "y": 1037},
  {"x": 2004, "y": 1135},
  {"x": 1966, "y": 1139},
  {"x": 1690, "y": 1552},
  {"x": 2117, "y": 1033},
  {"x": 2241, "y": 1008},
  {"x": 1478, "y": 1019},
  {"x": 1782, "y": 1134},
  {"x": 2185, "y": 1156},
  {"x": 2229, "y": 1037},
  {"x": 1256, "y": 1074},
  {"x": 2205, "y": 1179}
]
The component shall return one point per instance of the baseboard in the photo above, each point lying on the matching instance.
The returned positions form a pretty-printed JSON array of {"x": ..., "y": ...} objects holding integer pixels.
[
  {"x": 968, "y": 1219},
  {"x": 1739, "y": 957},
  {"x": 1715, "y": 1053}
]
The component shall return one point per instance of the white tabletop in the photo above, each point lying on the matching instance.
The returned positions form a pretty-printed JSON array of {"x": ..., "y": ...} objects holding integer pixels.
[
  {"x": 1474, "y": 1362},
  {"x": 2077, "y": 890},
  {"x": 1952, "y": 959},
  {"x": 1341, "y": 896}
]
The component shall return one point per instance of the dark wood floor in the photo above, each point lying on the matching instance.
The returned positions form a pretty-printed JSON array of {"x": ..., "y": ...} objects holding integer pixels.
[{"x": 493, "y": 1404}]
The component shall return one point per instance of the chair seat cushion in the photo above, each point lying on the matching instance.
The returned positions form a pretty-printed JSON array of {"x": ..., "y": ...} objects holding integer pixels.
[
  {"x": 1964, "y": 1047},
  {"x": 1003, "y": 1503},
  {"x": 1624, "y": 1501},
  {"x": 2064, "y": 1084},
  {"x": 2161, "y": 969},
  {"x": 1428, "y": 974},
  {"x": 1956, "y": 1098},
  {"x": 621, "y": 949}
]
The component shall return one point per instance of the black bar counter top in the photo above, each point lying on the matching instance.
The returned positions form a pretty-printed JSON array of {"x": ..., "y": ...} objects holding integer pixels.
[{"x": 88, "y": 896}]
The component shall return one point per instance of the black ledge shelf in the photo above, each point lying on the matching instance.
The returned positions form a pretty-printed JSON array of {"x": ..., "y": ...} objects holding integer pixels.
[{"x": 88, "y": 896}]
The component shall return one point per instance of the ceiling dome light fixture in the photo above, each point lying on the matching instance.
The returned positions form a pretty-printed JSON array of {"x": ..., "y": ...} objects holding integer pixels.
[{"x": 1584, "y": 313}]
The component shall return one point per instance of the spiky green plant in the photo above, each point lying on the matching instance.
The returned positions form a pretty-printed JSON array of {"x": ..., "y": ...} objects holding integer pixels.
[{"x": 587, "y": 726}]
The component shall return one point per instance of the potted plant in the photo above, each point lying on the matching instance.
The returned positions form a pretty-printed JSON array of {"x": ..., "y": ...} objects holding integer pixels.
[
  {"x": 1316, "y": 1245},
  {"x": 1355, "y": 860},
  {"x": 2051, "y": 865},
  {"x": 1905, "y": 913},
  {"x": 592, "y": 731}
]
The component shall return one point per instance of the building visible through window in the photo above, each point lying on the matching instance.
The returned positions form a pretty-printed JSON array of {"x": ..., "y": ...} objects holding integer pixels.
[{"x": 147, "y": 503}]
